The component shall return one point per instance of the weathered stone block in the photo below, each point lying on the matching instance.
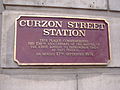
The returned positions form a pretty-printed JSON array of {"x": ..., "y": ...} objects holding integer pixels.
[
  {"x": 115, "y": 41},
  {"x": 88, "y": 4},
  {"x": 89, "y": 81},
  {"x": 38, "y": 82},
  {"x": 110, "y": 82},
  {"x": 98, "y": 82},
  {"x": 114, "y": 5}
]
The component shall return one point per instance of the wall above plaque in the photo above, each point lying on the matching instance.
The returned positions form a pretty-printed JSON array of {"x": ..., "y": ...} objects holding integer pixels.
[{"x": 51, "y": 40}]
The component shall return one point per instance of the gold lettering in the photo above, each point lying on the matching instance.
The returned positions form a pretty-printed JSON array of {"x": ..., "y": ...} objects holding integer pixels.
[
  {"x": 46, "y": 32},
  {"x": 37, "y": 23},
  {"x": 76, "y": 24},
  {"x": 75, "y": 32},
  {"x": 83, "y": 25},
  {"x": 64, "y": 32},
  {"x": 29, "y": 23},
  {"x": 58, "y": 23},
  {"x": 44, "y": 23},
  {"x": 58, "y": 33},
  {"x": 70, "y": 24},
  {"x": 22, "y": 23},
  {"x": 52, "y": 31},
  {"x": 82, "y": 33},
  {"x": 102, "y": 26},
  {"x": 51, "y": 23}
]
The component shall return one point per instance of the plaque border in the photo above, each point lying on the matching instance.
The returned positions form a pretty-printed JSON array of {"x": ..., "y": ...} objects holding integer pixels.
[{"x": 15, "y": 35}]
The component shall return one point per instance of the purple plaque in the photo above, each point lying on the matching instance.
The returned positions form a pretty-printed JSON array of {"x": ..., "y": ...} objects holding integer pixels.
[{"x": 51, "y": 40}]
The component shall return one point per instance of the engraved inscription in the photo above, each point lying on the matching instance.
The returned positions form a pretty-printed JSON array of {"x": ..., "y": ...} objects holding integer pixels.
[{"x": 61, "y": 41}]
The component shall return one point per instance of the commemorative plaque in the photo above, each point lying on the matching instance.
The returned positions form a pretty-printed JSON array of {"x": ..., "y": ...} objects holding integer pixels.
[{"x": 51, "y": 40}]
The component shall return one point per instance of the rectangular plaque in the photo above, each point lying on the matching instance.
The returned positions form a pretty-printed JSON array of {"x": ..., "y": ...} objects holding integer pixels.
[{"x": 51, "y": 40}]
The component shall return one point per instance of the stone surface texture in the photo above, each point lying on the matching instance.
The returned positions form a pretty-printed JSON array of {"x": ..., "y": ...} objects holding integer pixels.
[
  {"x": 114, "y": 5},
  {"x": 89, "y": 4},
  {"x": 1, "y": 6},
  {"x": 14, "y": 77},
  {"x": 38, "y": 82}
]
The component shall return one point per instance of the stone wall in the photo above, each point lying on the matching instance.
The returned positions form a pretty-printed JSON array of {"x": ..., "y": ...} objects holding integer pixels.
[{"x": 14, "y": 77}]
